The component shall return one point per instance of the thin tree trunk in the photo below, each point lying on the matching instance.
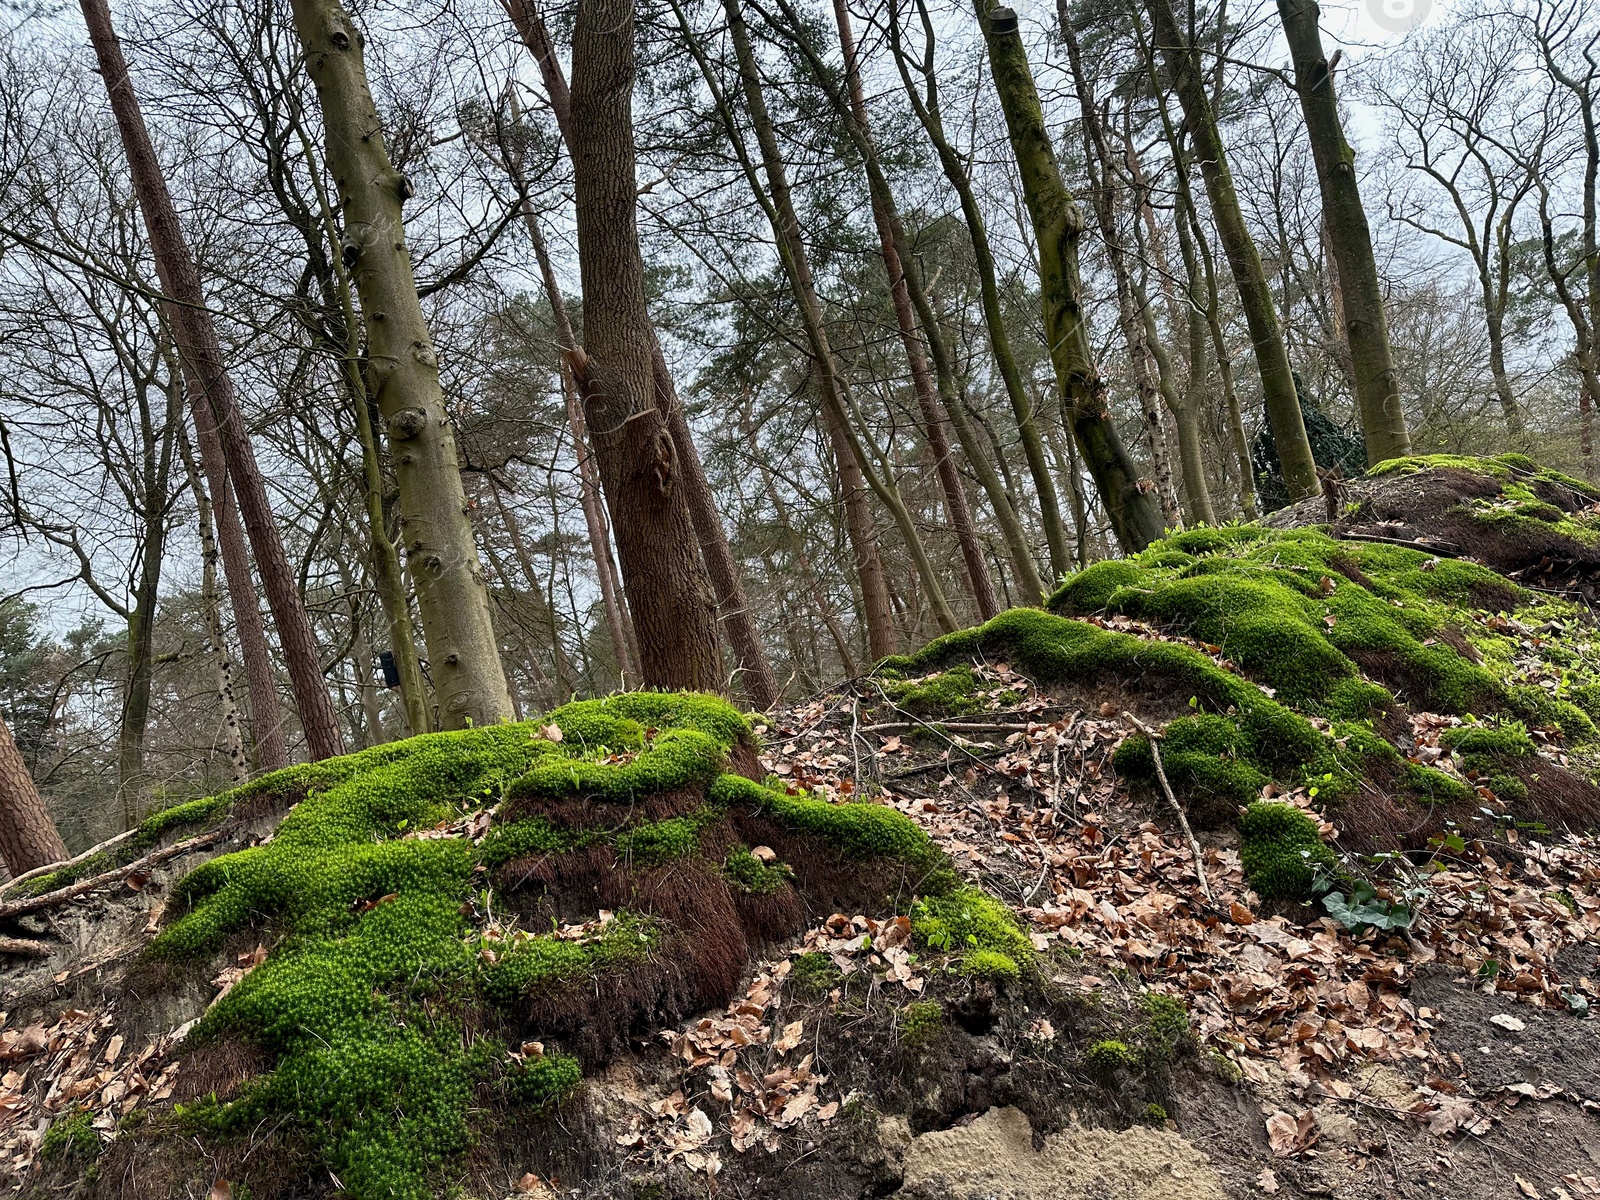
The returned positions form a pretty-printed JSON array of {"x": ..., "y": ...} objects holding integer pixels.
[
  {"x": 955, "y": 170},
  {"x": 733, "y": 604},
  {"x": 618, "y": 621},
  {"x": 673, "y": 608},
  {"x": 797, "y": 547},
  {"x": 28, "y": 838},
  {"x": 779, "y": 207},
  {"x": 1367, "y": 330},
  {"x": 1104, "y": 187},
  {"x": 890, "y": 237},
  {"x": 1057, "y": 223},
  {"x": 1201, "y": 271},
  {"x": 403, "y": 375},
  {"x": 211, "y": 614},
  {"x": 155, "y": 479},
  {"x": 1255, "y": 296},
  {"x": 1584, "y": 355},
  {"x": 211, "y": 391}
]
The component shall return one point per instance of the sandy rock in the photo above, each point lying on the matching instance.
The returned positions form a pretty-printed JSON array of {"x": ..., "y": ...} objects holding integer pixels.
[{"x": 994, "y": 1158}]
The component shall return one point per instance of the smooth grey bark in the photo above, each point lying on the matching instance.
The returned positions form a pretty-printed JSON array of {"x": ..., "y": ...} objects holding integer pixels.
[{"x": 403, "y": 376}]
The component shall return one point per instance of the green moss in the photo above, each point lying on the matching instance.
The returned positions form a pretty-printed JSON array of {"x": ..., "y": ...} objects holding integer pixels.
[
  {"x": 974, "y": 925},
  {"x": 544, "y": 1081},
  {"x": 1539, "y": 708},
  {"x": 1224, "y": 1068},
  {"x": 919, "y": 1024},
  {"x": 1281, "y": 851},
  {"x": 51, "y": 880},
  {"x": 1287, "y": 606},
  {"x": 751, "y": 875},
  {"x": 1205, "y": 756},
  {"x": 1166, "y": 1026},
  {"x": 814, "y": 974},
  {"x": 949, "y": 693},
  {"x": 71, "y": 1136},
  {"x": 1109, "y": 1055},
  {"x": 1416, "y": 463},
  {"x": 1434, "y": 786},
  {"x": 1154, "y": 1114},
  {"x": 859, "y": 830},
  {"x": 534, "y": 965},
  {"x": 1508, "y": 740}
]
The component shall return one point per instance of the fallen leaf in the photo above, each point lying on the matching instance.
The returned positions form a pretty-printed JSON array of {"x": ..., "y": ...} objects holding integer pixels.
[
  {"x": 220, "y": 1190},
  {"x": 1526, "y": 1188},
  {"x": 1507, "y": 1021},
  {"x": 792, "y": 1033},
  {"x": 1267, "y": 1181},
  {"x": 551, "y": 733}
]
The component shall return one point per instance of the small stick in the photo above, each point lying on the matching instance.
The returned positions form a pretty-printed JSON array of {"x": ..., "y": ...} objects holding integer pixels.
[
  {"x": 70, "y": 862},
  {"x": 19, "y": 908},
  {"x": 1166, "y": 788},
  {"x": 25, "y": 947}
]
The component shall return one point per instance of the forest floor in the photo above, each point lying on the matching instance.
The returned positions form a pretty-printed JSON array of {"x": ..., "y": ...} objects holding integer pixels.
[{"x": 1175, "y": 1035}]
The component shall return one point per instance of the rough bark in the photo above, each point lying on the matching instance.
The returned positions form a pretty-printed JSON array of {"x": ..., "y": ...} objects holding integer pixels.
[
  {"x": 232, "y": 730},
  {"x": 640, "y": 469},
  {"x": 403, "y": 376},
  {"x": 211, "y": 392},
  {"x": 1058, "y": 225},
  {"x": 618, "y": 621},
  {"x": 733, "y": 603},
  {"x": 1366, "y": 328},
  {"x": 955, "y": 170},
  {"x": 1255, "y": 297},
  {"x": 891, "y": 238},
  {"x": 28, "y": 838}
]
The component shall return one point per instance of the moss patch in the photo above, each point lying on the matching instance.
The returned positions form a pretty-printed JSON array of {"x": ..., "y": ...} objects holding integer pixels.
[
  {"x": 1281, "y": 851},
  {"x": 371, "y": 1005}
]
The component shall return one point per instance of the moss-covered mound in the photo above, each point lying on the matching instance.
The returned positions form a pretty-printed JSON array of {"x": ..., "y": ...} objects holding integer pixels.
[
  {"x": 617, "y": 885},
  {"x": 1295, "y": 658},
  {"x": 1532, "y": 523}
]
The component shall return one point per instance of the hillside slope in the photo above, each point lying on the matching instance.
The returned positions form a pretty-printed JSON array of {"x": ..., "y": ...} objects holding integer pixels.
[{"x": 1261, "y": 863}]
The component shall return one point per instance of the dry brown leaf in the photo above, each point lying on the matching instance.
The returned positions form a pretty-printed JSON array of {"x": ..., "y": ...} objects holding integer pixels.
[
  {"x": 1267, "y": 1181},
  {"x": 792, "y": 1033},
  {"x": 220, "y": 1190},
  {"x": 551, "y": 733}
]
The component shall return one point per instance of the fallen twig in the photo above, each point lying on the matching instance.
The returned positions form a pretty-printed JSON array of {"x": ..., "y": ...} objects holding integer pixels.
[
  {"x": 1166, "y": 788},
  {"x": 49, "y": 868},
  {"x": 19, "y": 908},
  {"x": 25, "y": 947}
]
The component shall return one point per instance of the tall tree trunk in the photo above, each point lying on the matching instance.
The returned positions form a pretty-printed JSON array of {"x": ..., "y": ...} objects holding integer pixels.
[
  {"x": 875, "y": 605},
  {"x": 1200, "y": 270},
  {"x": 141, "y": 658},
  {"x": 618, "y": 621},
  {"x": 155, "y": 476},
  {"x": 1057, "y": 224},
  {"x": 211, "y": 390},
  {"x": 778, "y": 204},
  {"x": 891, "y": 238},
  {"x": 1104, "y": 188},
  {"x": 211, "y": 614},
  {"x": 28, "y": 838},
  {"x": 1367, "y": 330},
  {"x": 1255, "y": 297},
  {"x": 325, "y": 261},
  {"x": 955, "y": 170},
  {"x": 673, "y": 608},
  {"x": 463, "y": 653},
  {"x": 733, "y": 604},
  {"x": 1584, "y": 355}
]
